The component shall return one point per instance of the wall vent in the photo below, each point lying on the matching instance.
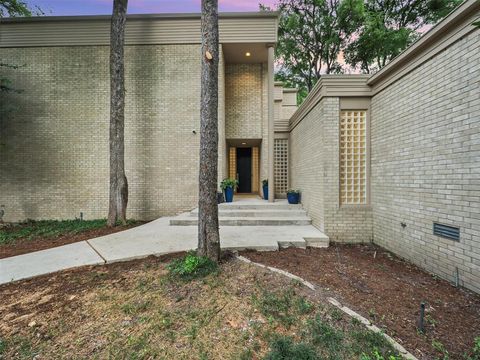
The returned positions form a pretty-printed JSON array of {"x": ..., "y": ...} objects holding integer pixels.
[{"x": 445, "y": 231}]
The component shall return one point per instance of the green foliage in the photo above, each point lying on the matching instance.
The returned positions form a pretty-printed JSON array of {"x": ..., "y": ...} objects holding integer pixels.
[
  {"x": 293, "y": 191},
  {"x": 284, "y": 348},
  {"x": 440, "y": 348},
  {"x": 376, "y": 355},
  {"x": 365, "y": 339},
  {"x": 191, "y": 267},
  {"x": 388, "y": 27},
  {"x": 475, "y": 353},
  {"x": 31, "y": 230},
  {"x": 229, "y": 183},
  {"x": 15, "y": 8},
  {"x": 324, "y": 335},
  {"x": 311, "y": 35}
]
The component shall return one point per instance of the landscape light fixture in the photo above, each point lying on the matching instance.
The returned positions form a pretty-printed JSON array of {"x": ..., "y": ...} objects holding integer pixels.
[{"x": 247, "y": 54}]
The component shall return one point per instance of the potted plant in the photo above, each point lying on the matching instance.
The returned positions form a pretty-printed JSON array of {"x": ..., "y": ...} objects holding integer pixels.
[
  {"x": 228, "y": 186},
  {"x": 293, "y": 196},
  {"x": 265, "y": 189}
]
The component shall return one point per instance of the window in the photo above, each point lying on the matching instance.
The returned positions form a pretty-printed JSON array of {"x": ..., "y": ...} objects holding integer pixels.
[{"x": 353, "y": 157}]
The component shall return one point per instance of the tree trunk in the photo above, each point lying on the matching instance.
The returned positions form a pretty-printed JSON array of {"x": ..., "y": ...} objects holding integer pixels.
[
  {"x": 208, "y": 234},
  {"x": 118, "y": 181}
]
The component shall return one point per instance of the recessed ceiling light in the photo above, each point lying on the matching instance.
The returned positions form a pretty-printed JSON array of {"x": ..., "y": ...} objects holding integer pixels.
[
  {"x": 247, "y": 54},
  {"x": 244, "y": 143}
]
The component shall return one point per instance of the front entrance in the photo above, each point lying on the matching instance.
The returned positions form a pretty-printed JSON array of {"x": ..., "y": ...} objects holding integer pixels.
[
  {"x": 244, "y": 165},
  {"x": 244, "y": 170}
]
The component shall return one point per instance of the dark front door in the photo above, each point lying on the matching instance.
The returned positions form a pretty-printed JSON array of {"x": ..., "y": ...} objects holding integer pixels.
[{"x": 244, "y": 170}]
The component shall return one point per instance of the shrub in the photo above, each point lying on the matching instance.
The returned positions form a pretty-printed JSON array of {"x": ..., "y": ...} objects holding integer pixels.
[
  {"x": 229, "y": 183},
  {"x": 192, "y": 266}
]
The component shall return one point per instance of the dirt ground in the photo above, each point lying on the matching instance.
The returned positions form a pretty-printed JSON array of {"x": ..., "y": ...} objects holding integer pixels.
[
  {"x": 389, "y": 291},
  {"x": 23, "y": 246},
  {"x": 132, "y": 310}
]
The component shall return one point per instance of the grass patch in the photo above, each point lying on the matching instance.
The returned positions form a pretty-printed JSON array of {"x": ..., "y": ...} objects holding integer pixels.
[
  {"x": 192, "y": 267},
  {"x": 284, "y": 348},
  {"x": 321, "y": 333},
  {"x": 31, "y": 230},
  {"x": 324, "y": 335},
  {"x": 283, "y": 306},
  {"x": 135, "y": 311},
  {"x": 22, "y": 345}
]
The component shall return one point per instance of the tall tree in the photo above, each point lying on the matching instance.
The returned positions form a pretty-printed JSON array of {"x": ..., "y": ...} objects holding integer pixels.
[
  {"x": 14, "y": 8},
  {"x": 389, "y": 26},
  {"x": 118, "y": 181},
  {"x": 208, "y": 234},
  {"x": 310, "y": 36}
]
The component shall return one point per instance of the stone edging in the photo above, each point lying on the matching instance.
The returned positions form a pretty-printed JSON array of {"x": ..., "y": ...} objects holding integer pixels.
[{"x": 403, "y": 352}]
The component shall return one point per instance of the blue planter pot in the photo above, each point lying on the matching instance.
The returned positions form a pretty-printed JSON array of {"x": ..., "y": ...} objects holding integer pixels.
[
  {"x": 265, "y": 192},
  {"x": 229, "y": 194},
  {"x": 293, "y": 198}
]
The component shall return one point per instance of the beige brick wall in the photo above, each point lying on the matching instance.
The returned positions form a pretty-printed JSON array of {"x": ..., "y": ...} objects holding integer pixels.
[
  {"x": 314, "y": 169},
  {"x": 426, "y": 162},
  {"x": 243, "y": 97},
  {"x": 246, "y": 106},
  {"x": 55, "y": 154}
]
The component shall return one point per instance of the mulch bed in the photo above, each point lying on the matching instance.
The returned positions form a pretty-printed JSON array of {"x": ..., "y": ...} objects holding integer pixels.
[
  {"x": 388, "y": 291},
  {"x": 24, "y": 246}
]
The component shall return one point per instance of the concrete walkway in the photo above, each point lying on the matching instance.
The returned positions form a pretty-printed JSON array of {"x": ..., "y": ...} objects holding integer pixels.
[{"x": 157, "y": 237}]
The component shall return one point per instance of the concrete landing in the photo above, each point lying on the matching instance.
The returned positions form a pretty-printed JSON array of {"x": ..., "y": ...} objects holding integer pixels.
[{"x": 157, "y": 237}]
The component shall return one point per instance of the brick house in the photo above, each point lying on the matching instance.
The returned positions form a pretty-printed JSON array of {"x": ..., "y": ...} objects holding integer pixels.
[{"x": 392, "y": 158}]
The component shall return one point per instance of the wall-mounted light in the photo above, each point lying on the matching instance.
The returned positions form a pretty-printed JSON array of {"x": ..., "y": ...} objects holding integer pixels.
[
  {"x": 247, "y": 54},
  {"x": 244, "y": 143}
]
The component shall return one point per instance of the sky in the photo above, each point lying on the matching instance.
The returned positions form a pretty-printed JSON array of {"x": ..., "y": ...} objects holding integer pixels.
[{"x": 94, "y": 7}]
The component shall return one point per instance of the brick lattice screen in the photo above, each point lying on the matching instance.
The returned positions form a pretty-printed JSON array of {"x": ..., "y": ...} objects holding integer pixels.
[
  {"x": 353, "y": 158},
  {"x": 281, "y": 165}
]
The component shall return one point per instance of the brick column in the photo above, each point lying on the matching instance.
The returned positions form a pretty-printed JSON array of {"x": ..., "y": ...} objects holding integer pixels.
[{"x": 271, "y": 181}]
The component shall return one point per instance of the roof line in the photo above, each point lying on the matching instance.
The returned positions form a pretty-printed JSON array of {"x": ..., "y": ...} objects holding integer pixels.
[
  {"x": 331, "y": 85},
  {"x": 166, "y": 16}
]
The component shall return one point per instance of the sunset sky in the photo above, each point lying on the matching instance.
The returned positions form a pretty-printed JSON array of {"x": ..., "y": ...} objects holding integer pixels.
[{"x": 92, "y": 7}]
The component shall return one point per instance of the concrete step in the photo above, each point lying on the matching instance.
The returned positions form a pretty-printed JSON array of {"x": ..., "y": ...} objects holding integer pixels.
[
  {"x": 245, "y": 221},
  {"x": 311, "y": 237},
  {"x": 263, "y": 213},
  {"x": 259, "y": 206}
]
